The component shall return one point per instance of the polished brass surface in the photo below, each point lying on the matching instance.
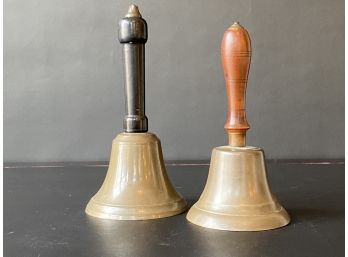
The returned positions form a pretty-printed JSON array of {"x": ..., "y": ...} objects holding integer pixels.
[
  {"x": 133, "y": 11},
  {"x": 236, "y": 138},
  {"x": 136, "y": 186},
  {"x": 236, "y": 196}
]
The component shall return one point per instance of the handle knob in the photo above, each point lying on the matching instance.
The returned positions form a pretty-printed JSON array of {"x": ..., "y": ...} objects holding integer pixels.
[
  {"x": 236, "y": 56},
  {"x": 132, "y": 34}
]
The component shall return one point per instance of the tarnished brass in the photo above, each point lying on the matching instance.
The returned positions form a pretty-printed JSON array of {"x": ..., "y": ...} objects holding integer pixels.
[
  {"x": 236, "y": 196},
  {"x": 136, "y": 186}
]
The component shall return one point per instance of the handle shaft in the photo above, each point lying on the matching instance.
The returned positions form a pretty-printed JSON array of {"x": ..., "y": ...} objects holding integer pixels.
[
  {"x": 132, "y": 34},
  {"x": 236, "y": 57}
]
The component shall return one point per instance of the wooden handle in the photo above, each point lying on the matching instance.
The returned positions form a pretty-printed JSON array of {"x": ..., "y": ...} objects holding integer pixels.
[{"x": 236, "y": 56}]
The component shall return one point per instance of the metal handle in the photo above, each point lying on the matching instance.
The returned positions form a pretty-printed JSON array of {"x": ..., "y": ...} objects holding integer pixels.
[{"x": 132, "y": 34}]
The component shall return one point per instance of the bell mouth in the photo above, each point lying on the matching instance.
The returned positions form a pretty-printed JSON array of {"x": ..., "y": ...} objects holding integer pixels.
[{"x": 220, "y": 221}]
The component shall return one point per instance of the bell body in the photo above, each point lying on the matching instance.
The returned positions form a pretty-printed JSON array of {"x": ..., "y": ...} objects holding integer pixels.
[
  {"x": 236, "y": 196},
  {"x": 136, "y": 186}
]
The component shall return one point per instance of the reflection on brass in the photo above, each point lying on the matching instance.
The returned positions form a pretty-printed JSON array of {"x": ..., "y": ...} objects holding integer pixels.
[
  {"x": 133, "y": 11},
  {"x": 136, "y": 186},
  {"x": 237, "y": 196}
]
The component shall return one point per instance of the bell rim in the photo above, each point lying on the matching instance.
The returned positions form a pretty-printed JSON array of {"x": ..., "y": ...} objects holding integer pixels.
[
  {"x": 119, "y": 212},
  {"x": 231, "y": 222}
]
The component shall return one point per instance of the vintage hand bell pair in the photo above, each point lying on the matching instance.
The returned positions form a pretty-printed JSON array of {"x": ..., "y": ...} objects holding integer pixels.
[{"x": 236, "y": 196}]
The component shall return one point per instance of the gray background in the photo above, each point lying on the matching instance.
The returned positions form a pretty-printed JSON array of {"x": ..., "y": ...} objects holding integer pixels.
[{"x": 63, "y": 85}]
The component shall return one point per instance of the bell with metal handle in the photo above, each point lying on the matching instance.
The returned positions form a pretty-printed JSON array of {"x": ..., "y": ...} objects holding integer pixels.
[
  {"x": 237, "y": 196},
  {"x": 136, "y": 186}
]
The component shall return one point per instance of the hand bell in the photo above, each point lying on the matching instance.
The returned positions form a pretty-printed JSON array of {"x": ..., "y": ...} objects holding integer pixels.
[
  {"x": 237, "y": 196},
  {"x": 136, "y": 186}
]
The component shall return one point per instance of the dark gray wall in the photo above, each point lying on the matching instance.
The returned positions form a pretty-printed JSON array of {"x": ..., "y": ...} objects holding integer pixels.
[{"x": 63, "y": 85}]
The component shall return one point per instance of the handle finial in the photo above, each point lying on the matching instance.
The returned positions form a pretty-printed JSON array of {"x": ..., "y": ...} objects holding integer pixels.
[{"x": 133, "y": 11}]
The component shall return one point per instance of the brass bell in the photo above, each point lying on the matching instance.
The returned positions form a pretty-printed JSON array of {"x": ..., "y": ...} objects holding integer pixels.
[
  {"x": 237, "y": 196},
  {"x": 136, "y": 186}
]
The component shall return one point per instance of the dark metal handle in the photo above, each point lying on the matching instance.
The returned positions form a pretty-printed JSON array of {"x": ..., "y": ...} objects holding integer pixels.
[{"x": 132, "y": 34}]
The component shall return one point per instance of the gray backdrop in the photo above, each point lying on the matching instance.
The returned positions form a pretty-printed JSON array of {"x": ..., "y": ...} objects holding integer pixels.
[{"x": 63, "y": 85}]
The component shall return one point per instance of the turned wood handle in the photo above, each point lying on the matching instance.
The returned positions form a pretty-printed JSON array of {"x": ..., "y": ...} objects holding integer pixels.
[{"x": 236, "y": 56}]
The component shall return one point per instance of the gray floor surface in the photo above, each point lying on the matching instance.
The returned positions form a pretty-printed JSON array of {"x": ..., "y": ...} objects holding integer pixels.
[{"x": 44, "y": 216}]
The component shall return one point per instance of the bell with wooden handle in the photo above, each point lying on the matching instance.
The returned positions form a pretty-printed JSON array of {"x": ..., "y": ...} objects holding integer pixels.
[
  {"x": 237, "y": 196},
  {"x": 136, "y": 186}
]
